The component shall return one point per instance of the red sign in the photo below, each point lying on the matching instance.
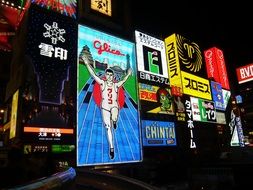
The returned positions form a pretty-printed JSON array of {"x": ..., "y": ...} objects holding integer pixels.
[
  {"x": 245, "y": 73},
  {"x": 222, "y": 70},
  {"x": 105, "y": 47},
  {"x": 215, "y": 66},
  {"x": 211, "y": 65}
]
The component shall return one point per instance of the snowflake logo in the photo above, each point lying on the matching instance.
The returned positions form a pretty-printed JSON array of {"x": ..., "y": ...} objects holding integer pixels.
[{"x": 54, "y": 33}]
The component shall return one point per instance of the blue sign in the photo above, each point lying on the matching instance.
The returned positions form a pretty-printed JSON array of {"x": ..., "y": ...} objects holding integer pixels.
[
  {"x": 158, "y": 133},
  {"x": 217, "y": 95},
  {"x": 108, "y": 127}
]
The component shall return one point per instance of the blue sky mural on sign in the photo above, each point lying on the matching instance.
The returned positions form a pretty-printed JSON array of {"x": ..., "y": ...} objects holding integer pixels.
[{"x": 108, "y": 128}]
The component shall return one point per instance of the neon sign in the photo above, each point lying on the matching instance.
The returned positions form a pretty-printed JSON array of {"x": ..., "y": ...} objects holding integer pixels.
[{"x": 65, "y": 7}]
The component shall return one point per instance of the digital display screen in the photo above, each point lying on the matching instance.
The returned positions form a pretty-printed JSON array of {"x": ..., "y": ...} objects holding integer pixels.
[{"x": 49, "y": 97}]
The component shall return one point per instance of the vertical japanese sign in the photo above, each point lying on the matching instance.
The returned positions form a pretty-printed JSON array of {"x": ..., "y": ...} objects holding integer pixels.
[
  {"x": 155, "y": 96},
  {"x": 216, "y": 67},
  {"x": 236, "y": 130},
  {"x": 182, "y": 55},
  {"x": 190, "y": 124},
  {"x": 64, "y": 7},
  {"x": 173, "y": 65},
  {"x": 108, "y": 123},
  {"x": 49, "y": 96}
]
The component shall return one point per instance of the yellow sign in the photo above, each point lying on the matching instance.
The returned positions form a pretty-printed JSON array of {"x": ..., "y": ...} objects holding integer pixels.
[
  {"x": 14, "y": 109},
  {"x": 102, "y": 6},
  {"x": 148, "y": 92},
  {"x": 173, "y": 62},
  {"x": 189, "y": 56},
  {"x": 196, "y": 86},
  {"x": 6, "y": 127}
]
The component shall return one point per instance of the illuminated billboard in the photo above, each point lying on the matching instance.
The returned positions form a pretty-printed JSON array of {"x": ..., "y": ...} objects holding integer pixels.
[
  {"x": 190, "y": 123},
  {"x": 154, "y": 91},
  {"x": 196, "y": 86},
  {"x": 157, "y": 106},
  {"x": 236, "y": 129},
  {"x": 152, "y": 65},
  {"x": 226, "y": 94},
  {"x": 64, "y": 7},
  {"x": 221, "y": 118},
  {"x": 194, "y": 134},
  {"x": 155, "y": 98},
  {"x": 173, "y": 65},
  {"x": 32, "y": 148},
  {"x": 107, "y": 100},
  {"x": 217, "y": 95},
  {"x": 158, "y": 133},
  {"x": 14, "y": 111},
  {"x": 182, "y": 55},
  {"x": 203, "y": 110},
  {"x": 179, "y": 102},
  {"x": 102, "y": 6},
  {"x": 55, "y": 148},
  {"x": 244, "y": 73},
  {"x": 51, "y": 48},
  {"x": 216, "y": 67},
  {"x": 49, "y": 96},
  {"x": 48, "y": 134}
]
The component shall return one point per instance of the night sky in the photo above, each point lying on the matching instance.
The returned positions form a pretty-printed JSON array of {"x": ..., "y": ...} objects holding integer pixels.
[{"x": 207, "y": 23}]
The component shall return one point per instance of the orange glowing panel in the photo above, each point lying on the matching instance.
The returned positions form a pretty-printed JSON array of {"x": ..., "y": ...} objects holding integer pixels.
[
  {"x": 216, "y": 67},
  {"x": 48, "y": 130}
]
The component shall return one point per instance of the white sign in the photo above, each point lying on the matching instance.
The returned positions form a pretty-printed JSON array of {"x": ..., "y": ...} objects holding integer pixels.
[{"x": 55, "y": 34}]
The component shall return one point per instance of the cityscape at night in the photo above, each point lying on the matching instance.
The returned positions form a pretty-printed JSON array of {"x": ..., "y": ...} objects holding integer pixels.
[{"x": 102, "y": 94}]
